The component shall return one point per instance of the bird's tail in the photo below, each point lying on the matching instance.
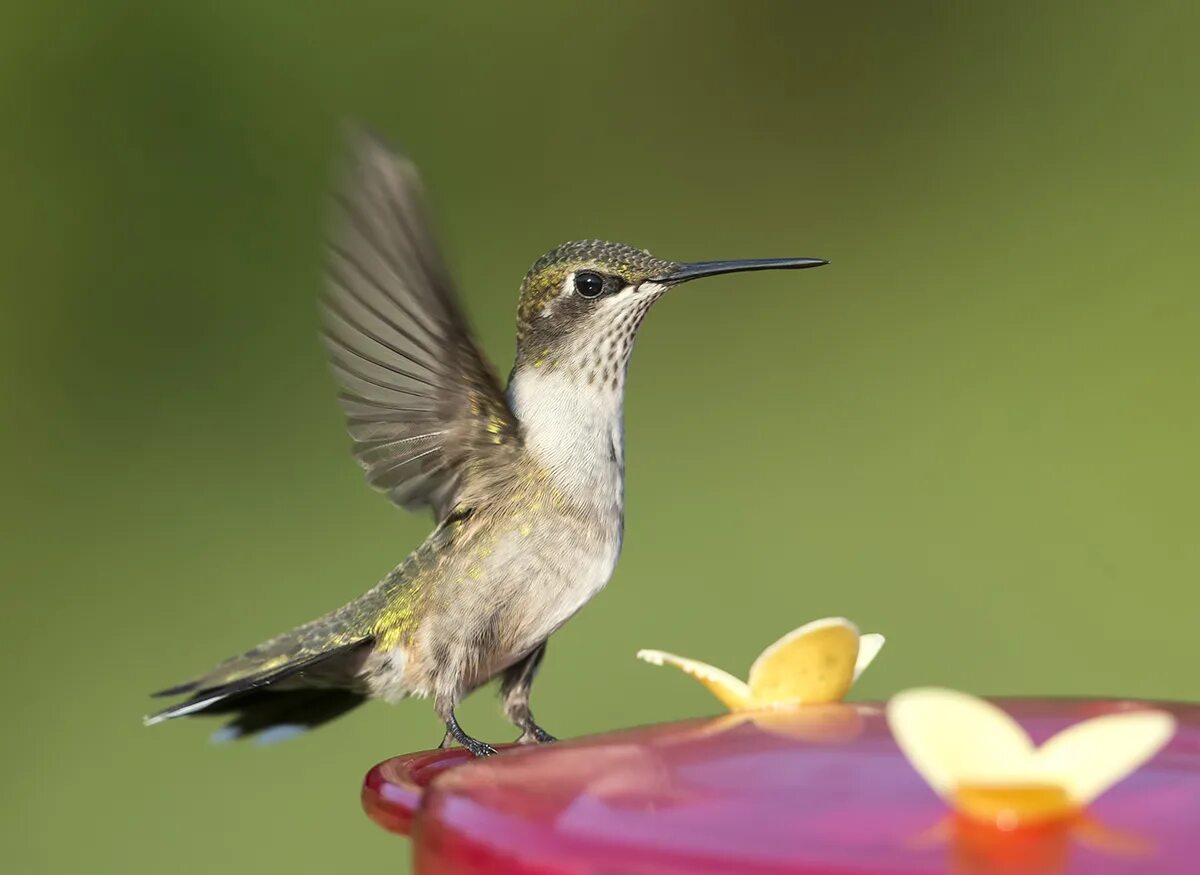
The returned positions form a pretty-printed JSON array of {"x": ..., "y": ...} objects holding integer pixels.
[{"x": 273, "y": 697}]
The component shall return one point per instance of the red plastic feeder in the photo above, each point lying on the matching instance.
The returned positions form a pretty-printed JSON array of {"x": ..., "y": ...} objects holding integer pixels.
[{"x": 822, "y": 790}]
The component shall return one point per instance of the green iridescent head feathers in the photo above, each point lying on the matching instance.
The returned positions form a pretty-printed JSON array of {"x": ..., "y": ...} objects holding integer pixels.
[{"x": 545, "y": 279}]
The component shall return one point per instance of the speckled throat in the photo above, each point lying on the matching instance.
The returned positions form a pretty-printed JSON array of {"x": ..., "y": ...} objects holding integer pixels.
[{"x": 569, "y": 398}]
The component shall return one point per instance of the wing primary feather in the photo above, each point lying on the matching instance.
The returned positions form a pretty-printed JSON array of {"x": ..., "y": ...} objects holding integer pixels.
[
  {"x": 341, "y": 298},
  {"x": 426, "y": 251},
  {"x": 359, "y": 354},
  {"x": 418, "y": 242},
  {"x": 353, "y": 373},
  {"x": 359, "y": 409},
  {"x": 348, "y": 371},
  {"x": 335, "y": 307},
  {"x": 354, "y": 389},
  {"x": 399, "y": 261},
  {"x": 377, "y": 414},
  {"x": 343, "y": 284}
]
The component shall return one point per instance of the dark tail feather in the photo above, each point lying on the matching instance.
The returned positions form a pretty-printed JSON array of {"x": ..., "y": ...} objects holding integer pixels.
[
  {"x": 277, "y": 716},
  {"x": 179, "y": 690},
  {"x": 275, "y": 704}
]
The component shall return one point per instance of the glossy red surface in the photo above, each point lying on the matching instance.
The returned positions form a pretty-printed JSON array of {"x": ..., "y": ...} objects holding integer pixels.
[{"x": 810, "y": 791}]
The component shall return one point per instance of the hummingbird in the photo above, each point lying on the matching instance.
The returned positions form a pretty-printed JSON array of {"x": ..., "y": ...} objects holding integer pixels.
[{"x": 526, "y": 484}]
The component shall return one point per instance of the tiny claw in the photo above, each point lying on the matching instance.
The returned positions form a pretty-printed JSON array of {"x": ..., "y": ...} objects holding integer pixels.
[
  {"x": 534, "y": 734},
  {"x": 480, "y": 749}
]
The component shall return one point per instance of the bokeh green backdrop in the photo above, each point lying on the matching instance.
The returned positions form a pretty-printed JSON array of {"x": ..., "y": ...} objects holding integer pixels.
[{"x": 976, "y": 431}]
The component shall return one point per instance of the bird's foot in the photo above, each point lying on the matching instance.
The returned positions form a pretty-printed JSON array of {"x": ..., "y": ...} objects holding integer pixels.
[
  {"x": 474, "y": 745},
  {"x": 534, "y": 734},
  {"x": 478, "y": 748}
]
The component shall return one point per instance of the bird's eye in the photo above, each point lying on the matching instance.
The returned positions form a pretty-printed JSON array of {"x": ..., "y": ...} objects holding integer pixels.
[{"x": 588, "y": 284}]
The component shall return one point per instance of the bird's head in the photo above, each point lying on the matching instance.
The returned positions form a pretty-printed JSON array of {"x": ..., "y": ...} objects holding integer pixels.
[{"x": 583, "y": 302}]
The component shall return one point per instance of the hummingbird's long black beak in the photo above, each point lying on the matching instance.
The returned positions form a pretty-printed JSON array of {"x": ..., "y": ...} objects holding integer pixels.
[{"x": 681, "y": 273}]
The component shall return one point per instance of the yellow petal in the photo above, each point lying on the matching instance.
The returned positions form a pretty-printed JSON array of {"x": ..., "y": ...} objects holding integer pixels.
[
  {"x": 1091, "y": 756},
  {"x": 869, "y": 646},
  {"x": 731, "y": 691},
  {"x": 810, "y": 665},
  {"x": 952, "y": 738}
]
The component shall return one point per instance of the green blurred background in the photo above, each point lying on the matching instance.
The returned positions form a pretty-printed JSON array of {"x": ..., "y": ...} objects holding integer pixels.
[{"x": 976, "y": 431}]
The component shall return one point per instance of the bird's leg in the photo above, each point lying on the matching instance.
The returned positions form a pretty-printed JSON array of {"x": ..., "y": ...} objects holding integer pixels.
[
  {"x": 514, "y": 690},
  {"x": 453, "y": 730}
]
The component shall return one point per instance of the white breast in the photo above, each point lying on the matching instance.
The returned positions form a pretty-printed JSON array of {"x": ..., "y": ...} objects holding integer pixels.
[
  {"x": 576, "y": 432},
  {"x": 572, "y": 416}
]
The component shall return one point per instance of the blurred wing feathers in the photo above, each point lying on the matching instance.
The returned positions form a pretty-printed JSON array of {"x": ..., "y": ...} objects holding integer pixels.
[{"x": 421, "y": 403}]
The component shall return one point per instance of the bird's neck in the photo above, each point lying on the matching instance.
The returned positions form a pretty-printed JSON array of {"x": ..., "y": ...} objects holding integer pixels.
[{"x": 573, "y": 426}]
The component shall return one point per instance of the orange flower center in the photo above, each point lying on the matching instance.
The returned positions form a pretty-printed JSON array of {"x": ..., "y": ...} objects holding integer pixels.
[{"x": 1009, "y": 806}]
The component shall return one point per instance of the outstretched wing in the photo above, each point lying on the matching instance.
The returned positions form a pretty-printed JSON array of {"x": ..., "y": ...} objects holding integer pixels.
[{"x": 423, "y": 406}]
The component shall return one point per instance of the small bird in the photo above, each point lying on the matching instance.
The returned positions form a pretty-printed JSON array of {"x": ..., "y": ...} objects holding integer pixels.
[{"x": 526, "y": 485}]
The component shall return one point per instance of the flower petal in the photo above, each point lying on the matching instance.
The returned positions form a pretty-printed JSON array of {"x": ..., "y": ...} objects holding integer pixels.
[
  {"x": 1091, "y": 756},
  {"x": 952, "y": 738},
  {"x": 869, "y": 646},
  {"x": 731, "y": 691},
  {"x": 810, "y": 665}
]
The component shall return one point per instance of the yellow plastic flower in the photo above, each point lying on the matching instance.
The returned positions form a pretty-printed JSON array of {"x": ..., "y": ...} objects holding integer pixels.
[
  {"x": 813, "y": 665},
  {"x": 985, "y": 766}
]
